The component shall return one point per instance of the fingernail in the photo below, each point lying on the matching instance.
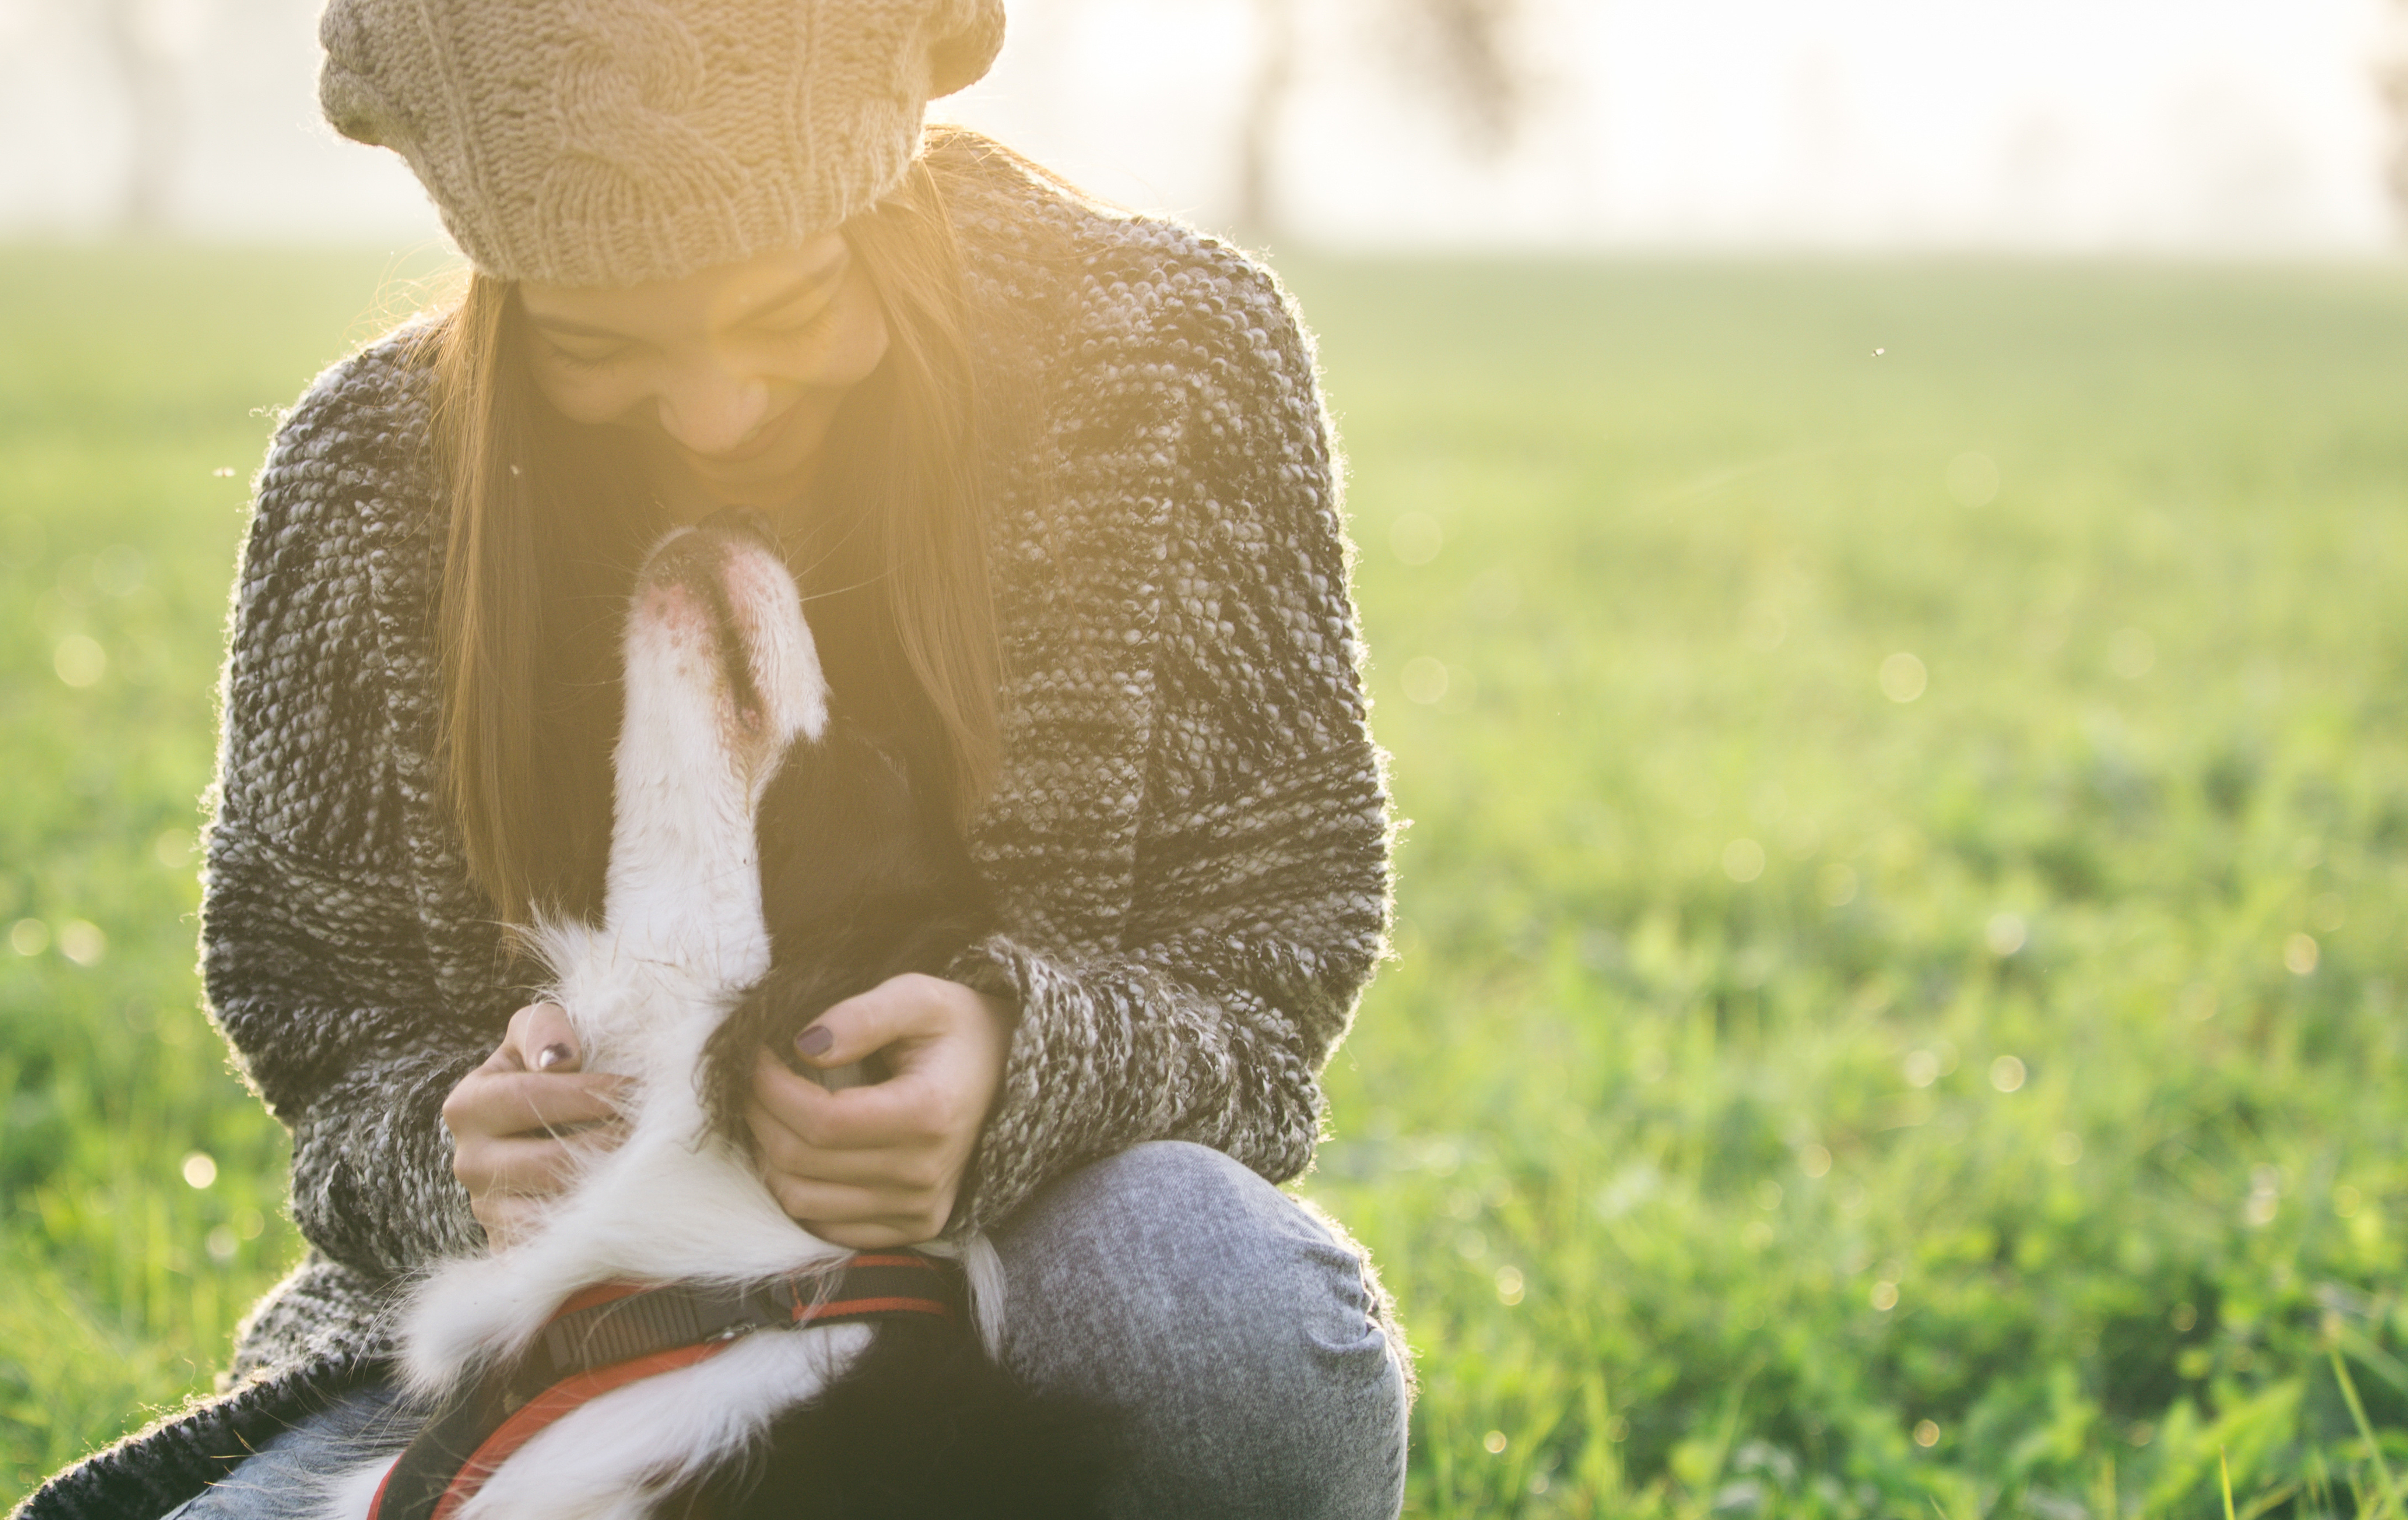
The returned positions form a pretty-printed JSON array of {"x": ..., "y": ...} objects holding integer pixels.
[
  {"x": 550, "y": 1056},
  {"x": 816, "y": 1041}
]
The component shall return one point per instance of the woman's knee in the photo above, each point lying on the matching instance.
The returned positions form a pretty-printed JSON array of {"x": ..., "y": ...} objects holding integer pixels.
[{"x": 1242, "y": 1339}]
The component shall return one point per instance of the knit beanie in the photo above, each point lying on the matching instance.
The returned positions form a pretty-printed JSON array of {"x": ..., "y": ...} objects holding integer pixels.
[{"x": 611, "y": 142}]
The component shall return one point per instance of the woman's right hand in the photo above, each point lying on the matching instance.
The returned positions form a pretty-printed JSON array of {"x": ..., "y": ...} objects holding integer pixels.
[{"x": 512, "y": 1120}]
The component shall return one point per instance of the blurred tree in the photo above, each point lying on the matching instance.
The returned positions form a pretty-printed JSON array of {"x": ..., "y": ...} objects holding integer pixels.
[
  {"x": 1462, "y": 48},
  {"x": 1266, "y": 97},
  {"x": 151, "y": 42},
  {"x": 2392, "y": 88}
]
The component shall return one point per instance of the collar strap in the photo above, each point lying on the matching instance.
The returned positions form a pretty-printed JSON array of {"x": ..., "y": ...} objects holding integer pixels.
[
  {"x": 619, "y": 1322},
  {"x": 618, "y": 1333}
]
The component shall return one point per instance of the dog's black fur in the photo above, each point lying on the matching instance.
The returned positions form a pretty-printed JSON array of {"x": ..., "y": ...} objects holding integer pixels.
[
  {"x": 925, "y": 1428},
  {"x": 861, "y": 880}
]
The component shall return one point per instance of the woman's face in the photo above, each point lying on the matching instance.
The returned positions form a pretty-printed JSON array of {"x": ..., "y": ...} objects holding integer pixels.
[{"x": 730, "y": 376}]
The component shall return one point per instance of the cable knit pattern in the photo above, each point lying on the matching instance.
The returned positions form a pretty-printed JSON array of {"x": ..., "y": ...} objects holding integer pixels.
[
  {"x": 609, "y": 142},
  {"x": 1188, "y": 837}
]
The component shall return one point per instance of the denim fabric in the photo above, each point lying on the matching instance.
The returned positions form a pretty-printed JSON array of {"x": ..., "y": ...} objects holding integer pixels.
[
  {"x": 1242, "y": 1339},
  {"x": 281, "y": 1481}
]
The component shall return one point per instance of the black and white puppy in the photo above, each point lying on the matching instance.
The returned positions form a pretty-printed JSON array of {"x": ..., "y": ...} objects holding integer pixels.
[{"x": 734, "y": 782}]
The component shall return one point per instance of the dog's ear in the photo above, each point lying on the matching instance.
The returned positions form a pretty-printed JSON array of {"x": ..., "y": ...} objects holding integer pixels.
[
  {"x": 844, "y": 827},
  {"x": 909, "y": 936},
  {"x": 771, "y": 1014},
  {"x": 862, "y": 879}
]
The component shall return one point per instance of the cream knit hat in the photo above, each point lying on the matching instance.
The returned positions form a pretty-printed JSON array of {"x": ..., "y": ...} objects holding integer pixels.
[{"x": 609, "y": 142}]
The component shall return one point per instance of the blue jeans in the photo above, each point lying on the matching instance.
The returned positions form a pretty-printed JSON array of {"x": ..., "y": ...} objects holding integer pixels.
[{"x": 1242, "y": 1338}]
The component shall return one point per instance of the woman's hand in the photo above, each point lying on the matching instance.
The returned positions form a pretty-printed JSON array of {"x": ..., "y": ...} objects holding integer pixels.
[
  {"x": 512, "y": 1120},
  {"x": 881, "y": 1165}
]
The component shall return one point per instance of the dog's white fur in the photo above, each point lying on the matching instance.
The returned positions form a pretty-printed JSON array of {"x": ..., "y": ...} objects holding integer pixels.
[{"x": 683, "y": 937}]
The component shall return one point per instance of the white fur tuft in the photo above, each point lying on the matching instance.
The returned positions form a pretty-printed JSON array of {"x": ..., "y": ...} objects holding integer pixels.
[
  {"x": 982, "y": 1271},
  {"x": 683, "y": 938}
]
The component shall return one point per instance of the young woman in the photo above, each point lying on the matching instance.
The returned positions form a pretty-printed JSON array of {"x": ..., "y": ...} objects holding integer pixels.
[{"x": 1059, "y": 487}]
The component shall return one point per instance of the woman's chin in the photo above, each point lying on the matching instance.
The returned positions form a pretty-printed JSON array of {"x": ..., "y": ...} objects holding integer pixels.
[{"x": 766, "y": 482}]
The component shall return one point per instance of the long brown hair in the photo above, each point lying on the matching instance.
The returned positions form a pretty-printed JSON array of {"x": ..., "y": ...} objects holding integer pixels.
[{"x": 548, "y": 521}]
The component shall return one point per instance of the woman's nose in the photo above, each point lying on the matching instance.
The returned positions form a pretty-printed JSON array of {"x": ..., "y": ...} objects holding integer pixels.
[{"x": 709, "y": 409}]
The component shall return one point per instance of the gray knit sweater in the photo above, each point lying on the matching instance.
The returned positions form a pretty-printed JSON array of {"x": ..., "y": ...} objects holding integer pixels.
[{"x": 1188, "y": 839}]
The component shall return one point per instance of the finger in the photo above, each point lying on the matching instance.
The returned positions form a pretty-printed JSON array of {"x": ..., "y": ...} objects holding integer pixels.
[
  {"x": 898, "y": 1170},
  {"x": 505, "y": 1058},
  {"x": 895, "y": 1009},
  {"x": 806, "y": 1198},
  {"x": 529, "y": 1102},
  {"x": 522, "y": 1168},
  {"x": 825, "y": 1208},
  {"x": 543, "y": 1039},
  {"x": 535, "y": 1178},
  {"x": 906, "y": 1112},
  {"x": 877, "y": 1236},
  {"x": 797, "y": 1107}
]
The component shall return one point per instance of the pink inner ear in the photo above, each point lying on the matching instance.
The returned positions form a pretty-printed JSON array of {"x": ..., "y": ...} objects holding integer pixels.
[
  {"x": 722, "y": 605},
  {"x": 667, "y": 603}
]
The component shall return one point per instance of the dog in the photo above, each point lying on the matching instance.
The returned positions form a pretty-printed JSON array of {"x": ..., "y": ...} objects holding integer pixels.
[{"x": 667, "y": 1342}]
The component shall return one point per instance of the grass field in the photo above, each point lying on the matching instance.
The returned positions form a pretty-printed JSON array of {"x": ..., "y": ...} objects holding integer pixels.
[{"x": 1900, "y": 1006}]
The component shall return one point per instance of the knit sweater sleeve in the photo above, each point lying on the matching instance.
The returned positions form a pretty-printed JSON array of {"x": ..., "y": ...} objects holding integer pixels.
[
  {"x": 314, "y": 950},
  {"x": 1260, "y": 898}
]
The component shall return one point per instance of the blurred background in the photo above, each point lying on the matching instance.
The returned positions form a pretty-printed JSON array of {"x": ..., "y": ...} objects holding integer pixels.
[
  {"x": 1879, "y": 531},
  {"x": 2214, "y": 127}
]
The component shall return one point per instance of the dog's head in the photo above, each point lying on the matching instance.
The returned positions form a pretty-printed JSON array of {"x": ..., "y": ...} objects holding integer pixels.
[
  {"x": 722, "y": 681},
  {"x": 722, "y": 676}
]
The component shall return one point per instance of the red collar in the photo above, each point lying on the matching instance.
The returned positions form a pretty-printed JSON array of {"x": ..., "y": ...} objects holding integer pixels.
[{"x": 617, "y": 1333}]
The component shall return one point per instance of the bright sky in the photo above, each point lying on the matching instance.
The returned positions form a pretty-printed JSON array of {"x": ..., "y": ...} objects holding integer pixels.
[{"x": 2193, "y": 126}]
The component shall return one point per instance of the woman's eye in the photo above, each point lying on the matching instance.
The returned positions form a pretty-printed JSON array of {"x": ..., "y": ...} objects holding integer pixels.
[
  {"x": 792, "y": 329},
  {"x": 586, "y": 358}
]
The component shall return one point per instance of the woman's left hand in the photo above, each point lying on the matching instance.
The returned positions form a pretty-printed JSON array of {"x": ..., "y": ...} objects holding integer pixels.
[{"x": 879, "y": 1165}]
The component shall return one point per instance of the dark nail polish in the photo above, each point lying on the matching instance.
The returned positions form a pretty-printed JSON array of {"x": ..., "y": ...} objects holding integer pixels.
[
  {"x": 816, "y": 1041},
  {"x": 550, "y": 1056}
]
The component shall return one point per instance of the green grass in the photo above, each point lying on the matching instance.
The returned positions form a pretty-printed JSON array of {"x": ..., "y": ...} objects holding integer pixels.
[{"x": 1788, "y": 1100}]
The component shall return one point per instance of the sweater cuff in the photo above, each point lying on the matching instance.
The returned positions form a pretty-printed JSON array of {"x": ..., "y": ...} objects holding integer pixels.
[
  {"x": 372, "y": 1180},
  {"x": 1110, "y": 1053},
  {"x": 1004, "y": 1168}
]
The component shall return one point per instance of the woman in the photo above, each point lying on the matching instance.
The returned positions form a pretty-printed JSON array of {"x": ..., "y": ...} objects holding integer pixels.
[{"x": 1058, "y": 486}]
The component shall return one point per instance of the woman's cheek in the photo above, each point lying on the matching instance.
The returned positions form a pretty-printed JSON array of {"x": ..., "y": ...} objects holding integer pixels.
[
  {"x": 592, "y": 400},
  {"x": 860, "y": 341}
]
